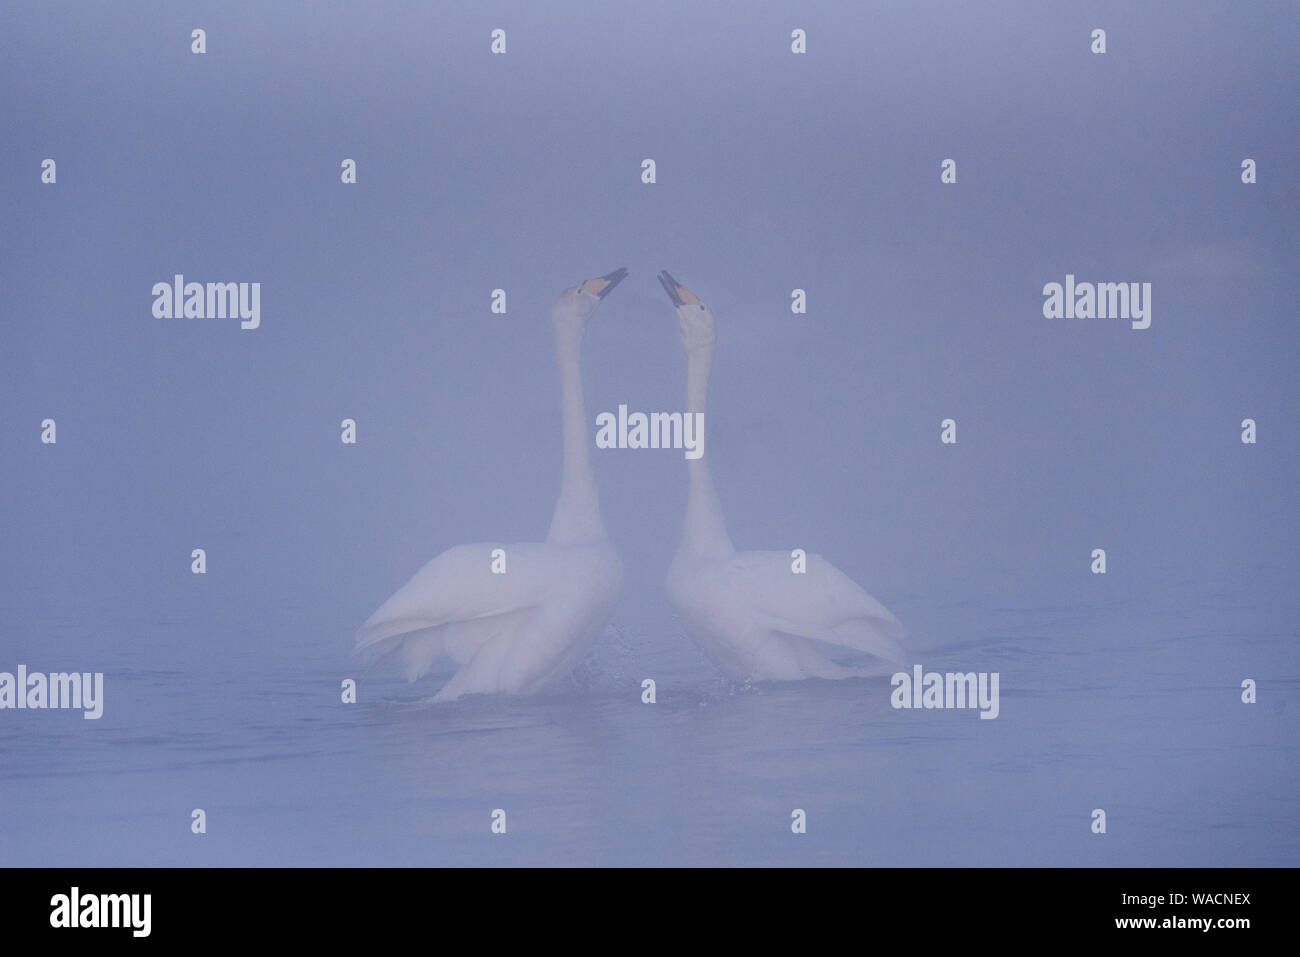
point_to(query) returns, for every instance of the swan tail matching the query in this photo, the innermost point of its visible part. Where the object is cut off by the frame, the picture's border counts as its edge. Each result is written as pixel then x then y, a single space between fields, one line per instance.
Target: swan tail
pixel 481 674
pixel 813 662
pixel 381 638
pixel 875 636
pixel 808 653
pixel 419 650
pixel 416 643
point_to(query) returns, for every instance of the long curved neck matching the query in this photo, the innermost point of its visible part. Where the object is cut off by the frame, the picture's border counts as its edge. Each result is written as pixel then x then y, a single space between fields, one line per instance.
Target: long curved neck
pixel 576 520
pixel 704 534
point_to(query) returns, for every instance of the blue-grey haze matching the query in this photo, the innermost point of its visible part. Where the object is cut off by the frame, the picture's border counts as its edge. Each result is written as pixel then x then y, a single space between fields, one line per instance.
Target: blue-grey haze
pixel 775 171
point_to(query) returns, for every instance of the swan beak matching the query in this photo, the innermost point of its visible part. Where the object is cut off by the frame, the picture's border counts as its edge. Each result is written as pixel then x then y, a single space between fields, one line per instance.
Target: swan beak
pixel 678 293
pixel 602 286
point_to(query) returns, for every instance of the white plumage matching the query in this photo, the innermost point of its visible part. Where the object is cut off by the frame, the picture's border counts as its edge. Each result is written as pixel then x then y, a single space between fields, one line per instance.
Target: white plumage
pixel 517 632
pixel 750 611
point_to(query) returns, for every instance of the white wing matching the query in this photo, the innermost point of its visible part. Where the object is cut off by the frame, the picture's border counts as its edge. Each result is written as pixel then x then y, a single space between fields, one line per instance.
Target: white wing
pixel 821 604
pixel 456 604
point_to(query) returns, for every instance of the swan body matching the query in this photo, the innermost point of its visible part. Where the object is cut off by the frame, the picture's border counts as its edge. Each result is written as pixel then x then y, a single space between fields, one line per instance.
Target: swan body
pixel 760 621
pixel 509 634
pixel 751 612
pixel 515 618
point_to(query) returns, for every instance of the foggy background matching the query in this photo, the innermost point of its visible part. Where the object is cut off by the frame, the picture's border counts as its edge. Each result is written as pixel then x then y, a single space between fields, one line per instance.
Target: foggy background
pixel 775 172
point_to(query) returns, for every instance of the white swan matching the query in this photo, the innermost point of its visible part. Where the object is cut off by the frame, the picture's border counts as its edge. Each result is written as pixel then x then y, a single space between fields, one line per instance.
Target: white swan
pixel 749 611
pixel 515 633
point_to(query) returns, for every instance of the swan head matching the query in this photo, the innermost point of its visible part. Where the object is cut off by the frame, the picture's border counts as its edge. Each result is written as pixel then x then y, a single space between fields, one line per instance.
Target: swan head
pixel 693 317
pixel 576 304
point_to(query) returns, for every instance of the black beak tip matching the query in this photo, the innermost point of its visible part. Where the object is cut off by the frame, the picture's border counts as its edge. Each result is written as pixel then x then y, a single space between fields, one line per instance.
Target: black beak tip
pixel 670 286
pixel 614 278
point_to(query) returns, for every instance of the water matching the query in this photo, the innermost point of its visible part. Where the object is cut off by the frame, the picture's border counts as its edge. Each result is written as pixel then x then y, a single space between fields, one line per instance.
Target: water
pixel 1126 705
